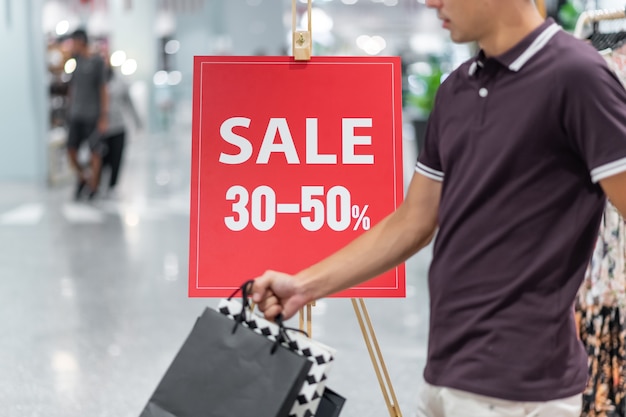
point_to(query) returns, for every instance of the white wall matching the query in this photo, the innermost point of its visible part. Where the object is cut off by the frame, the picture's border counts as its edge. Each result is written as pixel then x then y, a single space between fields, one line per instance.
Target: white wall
pixel 24 99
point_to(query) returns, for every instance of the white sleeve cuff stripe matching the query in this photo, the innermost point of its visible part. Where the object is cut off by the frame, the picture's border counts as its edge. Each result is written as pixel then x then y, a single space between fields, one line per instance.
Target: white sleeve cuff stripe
pixel 428 174
pixel 608 170
pixel 428 169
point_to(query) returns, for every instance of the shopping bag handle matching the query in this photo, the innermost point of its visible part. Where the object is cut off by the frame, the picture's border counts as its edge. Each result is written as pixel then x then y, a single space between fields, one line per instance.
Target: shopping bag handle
pixel 246 290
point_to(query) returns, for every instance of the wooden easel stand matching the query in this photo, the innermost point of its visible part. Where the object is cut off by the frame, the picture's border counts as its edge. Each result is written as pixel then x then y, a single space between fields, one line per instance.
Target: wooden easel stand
pixel 376 356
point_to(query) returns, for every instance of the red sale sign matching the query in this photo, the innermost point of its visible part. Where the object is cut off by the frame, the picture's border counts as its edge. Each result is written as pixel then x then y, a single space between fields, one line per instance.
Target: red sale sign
pixel 291 160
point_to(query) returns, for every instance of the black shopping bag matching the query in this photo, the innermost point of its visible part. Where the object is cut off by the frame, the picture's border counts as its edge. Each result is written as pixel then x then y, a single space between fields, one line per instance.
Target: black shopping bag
pixel 225 369
pixel 320 355
pixel 331 404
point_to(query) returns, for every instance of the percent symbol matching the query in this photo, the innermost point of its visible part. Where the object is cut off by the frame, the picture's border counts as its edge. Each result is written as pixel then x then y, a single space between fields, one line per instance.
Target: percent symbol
pixel 362 220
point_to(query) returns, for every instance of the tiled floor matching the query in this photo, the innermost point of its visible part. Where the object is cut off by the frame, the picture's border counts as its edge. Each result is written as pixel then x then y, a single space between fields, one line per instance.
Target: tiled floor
pixel 93 298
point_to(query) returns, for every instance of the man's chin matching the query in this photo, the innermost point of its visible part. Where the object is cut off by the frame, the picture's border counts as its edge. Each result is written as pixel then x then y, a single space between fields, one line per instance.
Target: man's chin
pixel 459 37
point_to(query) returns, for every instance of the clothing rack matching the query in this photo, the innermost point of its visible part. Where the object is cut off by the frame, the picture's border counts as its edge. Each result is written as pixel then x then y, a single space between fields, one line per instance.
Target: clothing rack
pixel 593 16
pixel 601 300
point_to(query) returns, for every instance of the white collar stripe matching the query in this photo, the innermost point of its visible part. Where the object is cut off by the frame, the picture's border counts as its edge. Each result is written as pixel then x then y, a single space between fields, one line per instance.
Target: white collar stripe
pixel 472 68
pixel 535 47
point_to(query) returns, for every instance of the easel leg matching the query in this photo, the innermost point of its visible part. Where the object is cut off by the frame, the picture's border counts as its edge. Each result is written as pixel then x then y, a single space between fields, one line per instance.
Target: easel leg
pixel 305 314
pixel 376 357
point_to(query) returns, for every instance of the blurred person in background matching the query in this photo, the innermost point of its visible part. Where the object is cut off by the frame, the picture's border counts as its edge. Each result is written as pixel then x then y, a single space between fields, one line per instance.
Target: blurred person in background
pixel 114 139
pixel 88 110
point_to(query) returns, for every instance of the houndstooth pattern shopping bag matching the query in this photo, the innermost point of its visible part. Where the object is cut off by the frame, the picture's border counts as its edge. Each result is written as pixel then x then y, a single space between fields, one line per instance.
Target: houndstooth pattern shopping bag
pixel 319 354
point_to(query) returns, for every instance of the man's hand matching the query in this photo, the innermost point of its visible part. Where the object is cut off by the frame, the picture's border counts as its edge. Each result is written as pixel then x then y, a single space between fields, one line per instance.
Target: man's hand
pixel 278 293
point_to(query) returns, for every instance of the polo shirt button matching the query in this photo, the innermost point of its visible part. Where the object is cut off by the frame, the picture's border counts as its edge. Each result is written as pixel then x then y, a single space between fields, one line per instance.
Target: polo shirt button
pixel 483 92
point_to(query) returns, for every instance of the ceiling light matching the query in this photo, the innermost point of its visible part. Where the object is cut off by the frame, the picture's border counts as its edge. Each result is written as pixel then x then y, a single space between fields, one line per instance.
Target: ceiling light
pixel 172 46
pixel 320 20
pixel 70 66
pixel 160 78
pixel 174 78
pixel 62 27
pixel 118 58
pixel 372 45
pixel 129 67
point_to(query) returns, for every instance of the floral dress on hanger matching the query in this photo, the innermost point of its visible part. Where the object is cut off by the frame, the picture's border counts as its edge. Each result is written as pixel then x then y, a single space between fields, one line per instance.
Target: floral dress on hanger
pixel 601 301
pixel 600 312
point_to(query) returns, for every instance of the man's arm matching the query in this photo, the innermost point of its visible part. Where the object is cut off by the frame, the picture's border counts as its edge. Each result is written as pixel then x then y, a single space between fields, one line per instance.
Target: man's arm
pixel 615 189
pixel 392 241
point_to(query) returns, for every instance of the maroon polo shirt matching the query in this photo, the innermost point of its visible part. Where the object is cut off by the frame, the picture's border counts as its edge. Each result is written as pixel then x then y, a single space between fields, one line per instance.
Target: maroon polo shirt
pixel 520 142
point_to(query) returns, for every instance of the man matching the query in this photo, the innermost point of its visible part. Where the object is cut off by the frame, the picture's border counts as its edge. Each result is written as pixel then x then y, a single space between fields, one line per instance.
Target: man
pixel 526 141
pixel 87 112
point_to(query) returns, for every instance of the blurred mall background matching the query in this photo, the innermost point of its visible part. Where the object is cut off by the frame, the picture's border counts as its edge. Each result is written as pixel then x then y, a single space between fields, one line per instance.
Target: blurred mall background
pixel 93 295
pixel 153 44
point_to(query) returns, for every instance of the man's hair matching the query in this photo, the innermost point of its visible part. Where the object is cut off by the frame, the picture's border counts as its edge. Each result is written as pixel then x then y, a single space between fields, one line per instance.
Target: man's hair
pixel 80 35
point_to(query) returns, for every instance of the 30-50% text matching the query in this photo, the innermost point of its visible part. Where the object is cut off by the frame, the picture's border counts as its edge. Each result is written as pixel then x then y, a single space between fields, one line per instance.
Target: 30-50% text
pixel 317 208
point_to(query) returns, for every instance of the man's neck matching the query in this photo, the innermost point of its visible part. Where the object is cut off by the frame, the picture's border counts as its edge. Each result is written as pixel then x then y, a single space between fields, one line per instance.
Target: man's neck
pixel 511 28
